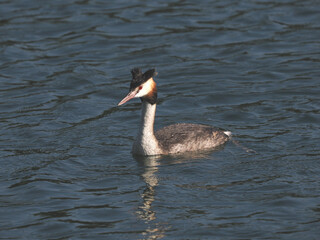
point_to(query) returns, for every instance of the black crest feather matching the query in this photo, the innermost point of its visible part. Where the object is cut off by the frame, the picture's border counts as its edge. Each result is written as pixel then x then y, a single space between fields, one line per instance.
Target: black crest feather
pixel 138 77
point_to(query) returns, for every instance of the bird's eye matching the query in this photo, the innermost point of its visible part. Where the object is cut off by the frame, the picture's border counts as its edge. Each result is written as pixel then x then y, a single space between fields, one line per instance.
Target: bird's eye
pixel 140 87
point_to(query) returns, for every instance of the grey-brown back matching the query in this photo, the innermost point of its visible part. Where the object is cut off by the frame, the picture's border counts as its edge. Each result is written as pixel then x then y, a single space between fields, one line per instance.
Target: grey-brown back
pixel 183 137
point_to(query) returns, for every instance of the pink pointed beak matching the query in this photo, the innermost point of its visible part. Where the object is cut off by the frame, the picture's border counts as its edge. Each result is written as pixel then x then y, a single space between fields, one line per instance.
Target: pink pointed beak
pixel 130 95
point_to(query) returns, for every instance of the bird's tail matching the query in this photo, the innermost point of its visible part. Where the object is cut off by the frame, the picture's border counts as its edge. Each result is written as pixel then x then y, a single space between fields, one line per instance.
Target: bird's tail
pixel 228 133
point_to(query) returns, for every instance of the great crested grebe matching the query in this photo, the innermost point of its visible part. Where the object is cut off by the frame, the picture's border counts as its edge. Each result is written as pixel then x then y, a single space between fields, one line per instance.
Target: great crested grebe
pixel 176 138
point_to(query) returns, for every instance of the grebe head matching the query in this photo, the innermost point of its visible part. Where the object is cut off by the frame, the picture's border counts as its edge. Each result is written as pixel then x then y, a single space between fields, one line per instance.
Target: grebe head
pixel 142 86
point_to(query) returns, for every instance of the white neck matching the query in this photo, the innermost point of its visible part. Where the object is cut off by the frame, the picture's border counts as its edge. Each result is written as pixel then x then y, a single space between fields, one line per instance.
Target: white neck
pixel 146 143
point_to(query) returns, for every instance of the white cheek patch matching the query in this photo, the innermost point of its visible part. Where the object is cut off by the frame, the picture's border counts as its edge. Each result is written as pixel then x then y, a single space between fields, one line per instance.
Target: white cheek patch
pixel 146 88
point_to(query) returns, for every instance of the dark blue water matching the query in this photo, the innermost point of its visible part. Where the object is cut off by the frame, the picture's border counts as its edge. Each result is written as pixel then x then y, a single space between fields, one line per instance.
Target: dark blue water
pixel 251 67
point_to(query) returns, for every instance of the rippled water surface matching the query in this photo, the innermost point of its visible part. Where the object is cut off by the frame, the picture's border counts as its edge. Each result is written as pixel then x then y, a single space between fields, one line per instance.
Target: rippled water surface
pixel 251 67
